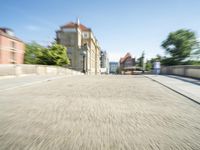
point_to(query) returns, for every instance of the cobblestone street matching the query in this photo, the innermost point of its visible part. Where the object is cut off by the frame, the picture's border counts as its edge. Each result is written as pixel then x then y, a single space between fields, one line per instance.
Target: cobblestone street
pixel 97 112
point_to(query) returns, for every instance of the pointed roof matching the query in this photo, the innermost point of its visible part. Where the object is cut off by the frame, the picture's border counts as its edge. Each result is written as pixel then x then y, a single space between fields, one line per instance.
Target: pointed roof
pixel 123 59
pixel 75 25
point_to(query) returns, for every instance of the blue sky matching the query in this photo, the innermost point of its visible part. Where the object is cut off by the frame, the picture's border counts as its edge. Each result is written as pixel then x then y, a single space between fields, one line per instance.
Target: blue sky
pixel 120 25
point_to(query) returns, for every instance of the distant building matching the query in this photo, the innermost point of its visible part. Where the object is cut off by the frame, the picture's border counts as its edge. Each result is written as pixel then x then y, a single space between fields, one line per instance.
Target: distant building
pixel 113 67
pixel 104 62
pixel 82 47
pixel 11 48
pixel 127 64
pixel 127 61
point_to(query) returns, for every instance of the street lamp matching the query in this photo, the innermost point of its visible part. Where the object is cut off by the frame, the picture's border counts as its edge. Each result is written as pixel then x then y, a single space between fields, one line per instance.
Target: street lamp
pixel 84 55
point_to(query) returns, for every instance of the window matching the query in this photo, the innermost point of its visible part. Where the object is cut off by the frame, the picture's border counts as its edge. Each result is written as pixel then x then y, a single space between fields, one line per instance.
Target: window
pixel 69 50
pixel 72 42
pixel 12 57
pixel 58 36
pixel 13 45
pixel 85 35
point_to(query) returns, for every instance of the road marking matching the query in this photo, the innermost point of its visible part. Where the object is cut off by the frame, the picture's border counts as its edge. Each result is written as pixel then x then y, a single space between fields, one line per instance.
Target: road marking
pixel 32 83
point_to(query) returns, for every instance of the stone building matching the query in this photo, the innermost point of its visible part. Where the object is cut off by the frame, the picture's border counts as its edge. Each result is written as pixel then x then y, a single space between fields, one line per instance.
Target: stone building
pixel 82 47
pixel 11 48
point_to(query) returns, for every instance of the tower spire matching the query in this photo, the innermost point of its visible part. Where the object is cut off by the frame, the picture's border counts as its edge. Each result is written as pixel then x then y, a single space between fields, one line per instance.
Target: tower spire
pixel 78 21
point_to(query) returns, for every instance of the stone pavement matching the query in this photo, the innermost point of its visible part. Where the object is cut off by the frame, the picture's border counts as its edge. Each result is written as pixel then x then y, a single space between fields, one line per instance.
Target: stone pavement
pixel 98 113
pixel 186 86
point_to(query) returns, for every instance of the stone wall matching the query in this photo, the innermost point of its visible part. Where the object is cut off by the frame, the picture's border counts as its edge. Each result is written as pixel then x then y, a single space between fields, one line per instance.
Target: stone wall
pixel 23 69
pixel 187 70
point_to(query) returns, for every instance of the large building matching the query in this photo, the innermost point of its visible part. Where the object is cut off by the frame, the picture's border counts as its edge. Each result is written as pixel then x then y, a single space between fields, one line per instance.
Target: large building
pixel 11 48
pixel 82 47
pixel 104 62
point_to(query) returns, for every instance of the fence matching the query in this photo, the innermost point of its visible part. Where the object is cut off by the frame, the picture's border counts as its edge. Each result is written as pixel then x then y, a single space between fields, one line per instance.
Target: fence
pixel 23 69
pixel 187 70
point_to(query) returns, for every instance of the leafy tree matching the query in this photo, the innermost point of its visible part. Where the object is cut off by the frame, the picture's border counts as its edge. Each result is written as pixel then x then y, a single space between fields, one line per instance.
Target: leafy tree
pixel 55 55
pixel 191 62
pixel 195 54
pixel 140 60
pixel 148 65
pixel 118 71
pixel 179 45
pixel 157 58
pixel 33 52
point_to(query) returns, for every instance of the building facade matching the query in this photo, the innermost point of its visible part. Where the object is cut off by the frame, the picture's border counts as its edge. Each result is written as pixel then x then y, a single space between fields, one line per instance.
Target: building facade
pixel 113 66
pixel 127 61
pixel 11 48
pixel 127 64
pixel 104 62
pixel 82 47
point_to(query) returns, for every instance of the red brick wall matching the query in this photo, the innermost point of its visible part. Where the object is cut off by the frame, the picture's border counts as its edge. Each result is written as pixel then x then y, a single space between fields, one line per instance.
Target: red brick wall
pixel 6 51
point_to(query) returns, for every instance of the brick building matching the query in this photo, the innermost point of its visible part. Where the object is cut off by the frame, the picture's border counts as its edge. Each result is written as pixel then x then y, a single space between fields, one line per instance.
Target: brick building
pixel 11 48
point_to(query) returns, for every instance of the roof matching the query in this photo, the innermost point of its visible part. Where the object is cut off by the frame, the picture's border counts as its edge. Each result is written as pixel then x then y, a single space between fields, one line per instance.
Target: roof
pixel 75 25
pixel 123 59
pixel 4 33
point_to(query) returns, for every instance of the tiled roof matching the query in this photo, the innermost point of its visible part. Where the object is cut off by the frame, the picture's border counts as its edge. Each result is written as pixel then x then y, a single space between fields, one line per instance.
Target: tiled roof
pixel 84 28
pixel 75 25
pixel 123 59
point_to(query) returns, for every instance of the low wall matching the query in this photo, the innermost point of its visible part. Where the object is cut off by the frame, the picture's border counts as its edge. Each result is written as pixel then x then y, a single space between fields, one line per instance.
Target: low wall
pixel 187 70
pixel 23 69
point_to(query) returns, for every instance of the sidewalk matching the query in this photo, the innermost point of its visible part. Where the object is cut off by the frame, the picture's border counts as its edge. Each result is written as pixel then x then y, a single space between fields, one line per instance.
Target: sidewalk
pixel 185 86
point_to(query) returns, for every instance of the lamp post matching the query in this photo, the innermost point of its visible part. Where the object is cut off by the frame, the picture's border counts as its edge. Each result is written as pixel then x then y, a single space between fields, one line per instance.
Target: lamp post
pixel 84 55
pixel 85 49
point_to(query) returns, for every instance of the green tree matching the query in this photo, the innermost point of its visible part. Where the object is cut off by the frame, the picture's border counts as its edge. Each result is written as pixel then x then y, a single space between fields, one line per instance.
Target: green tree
pixel 148 65
pixel 54 55
pixel 118 71
pixel 196 55
pixel 179 45
pixel 33 52
pixel 140 60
